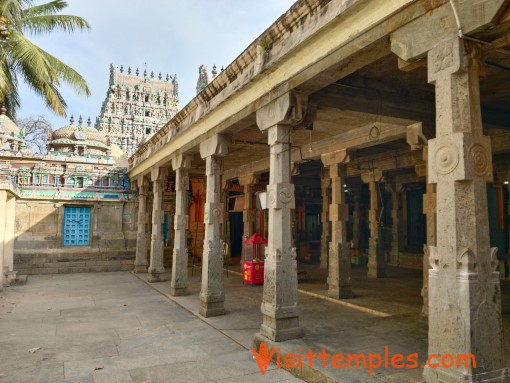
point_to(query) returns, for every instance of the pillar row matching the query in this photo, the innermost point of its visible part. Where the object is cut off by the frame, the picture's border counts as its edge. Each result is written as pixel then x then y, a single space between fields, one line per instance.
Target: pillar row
pixel 212 293
pixel 179 284
pixel 141 241
pixel 156 268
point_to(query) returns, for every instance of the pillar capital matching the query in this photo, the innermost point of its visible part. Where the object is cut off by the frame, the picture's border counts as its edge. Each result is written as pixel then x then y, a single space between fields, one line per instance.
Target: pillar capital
pixel 247 179
pixel 159 174
pixel 291 109
pixel 336 157
pixel 217 145
pixel 182 161
pixel 412 41
pixel 374 175
pixel 143 185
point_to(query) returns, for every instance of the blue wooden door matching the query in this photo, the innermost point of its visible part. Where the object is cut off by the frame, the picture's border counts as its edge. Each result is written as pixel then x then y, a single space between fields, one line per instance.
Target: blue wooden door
pixel 76 226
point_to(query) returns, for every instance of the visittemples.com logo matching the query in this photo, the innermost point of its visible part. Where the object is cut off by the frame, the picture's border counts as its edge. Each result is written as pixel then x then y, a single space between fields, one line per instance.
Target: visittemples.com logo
pixel 369 361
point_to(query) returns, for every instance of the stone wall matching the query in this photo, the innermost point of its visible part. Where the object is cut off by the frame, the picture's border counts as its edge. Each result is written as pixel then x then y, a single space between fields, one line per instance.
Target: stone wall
pixel 38 247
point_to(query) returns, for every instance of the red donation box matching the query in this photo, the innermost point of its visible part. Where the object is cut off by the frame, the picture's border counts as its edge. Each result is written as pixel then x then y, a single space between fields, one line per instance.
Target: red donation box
pixel 252 263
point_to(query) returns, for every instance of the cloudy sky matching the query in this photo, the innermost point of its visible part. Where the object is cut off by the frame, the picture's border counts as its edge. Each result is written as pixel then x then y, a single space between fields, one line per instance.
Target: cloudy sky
pixel 171 36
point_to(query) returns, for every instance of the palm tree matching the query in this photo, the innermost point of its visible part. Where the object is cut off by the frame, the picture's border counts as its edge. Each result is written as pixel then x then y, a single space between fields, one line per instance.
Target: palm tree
pixel 21 59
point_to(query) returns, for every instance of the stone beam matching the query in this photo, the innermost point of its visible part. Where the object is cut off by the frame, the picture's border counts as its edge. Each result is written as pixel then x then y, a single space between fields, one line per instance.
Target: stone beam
pixel 359 138
pixel 379 102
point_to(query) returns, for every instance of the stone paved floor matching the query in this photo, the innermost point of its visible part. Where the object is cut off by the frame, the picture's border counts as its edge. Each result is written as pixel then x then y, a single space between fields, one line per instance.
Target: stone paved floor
pixel 113 327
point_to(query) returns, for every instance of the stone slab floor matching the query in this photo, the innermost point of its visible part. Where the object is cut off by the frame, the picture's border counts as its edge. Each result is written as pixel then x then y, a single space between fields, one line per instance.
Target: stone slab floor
pixel 113 327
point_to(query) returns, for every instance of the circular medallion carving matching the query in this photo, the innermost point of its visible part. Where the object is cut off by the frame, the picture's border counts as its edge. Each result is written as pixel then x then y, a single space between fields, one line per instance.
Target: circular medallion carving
pixel 285 196
pixel 480 160
pixel 447 159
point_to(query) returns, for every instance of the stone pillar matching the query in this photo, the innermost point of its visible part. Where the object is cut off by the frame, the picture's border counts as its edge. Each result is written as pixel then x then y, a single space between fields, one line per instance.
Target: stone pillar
pixel 179 285
pixel 212 293
pixel 395 223
pixel 280 309
pixel 339 278
pixel 464 291
pixel 376 264
pixel 141 241
pixel 356 193
pixel 10 214
pixel 156 268
pixel 325 184
pixel 429 209
pixel 247 181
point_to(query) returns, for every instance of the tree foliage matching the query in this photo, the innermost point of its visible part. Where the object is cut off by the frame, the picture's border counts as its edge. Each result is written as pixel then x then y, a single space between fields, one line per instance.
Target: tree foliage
pixel 20 59
pixel 37 130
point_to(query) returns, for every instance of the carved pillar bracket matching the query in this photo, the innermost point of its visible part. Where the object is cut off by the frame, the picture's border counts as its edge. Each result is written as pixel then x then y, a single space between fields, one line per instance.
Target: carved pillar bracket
pixel 280 308
pixel 464 292
pixel 376 263
pixel 179 284
pixel 156 268
pixel 339 276
pixel 141 263
pixel 212 293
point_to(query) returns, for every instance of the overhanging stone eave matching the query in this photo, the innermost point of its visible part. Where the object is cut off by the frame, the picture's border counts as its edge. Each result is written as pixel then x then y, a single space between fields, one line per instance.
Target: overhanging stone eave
pixel 262 89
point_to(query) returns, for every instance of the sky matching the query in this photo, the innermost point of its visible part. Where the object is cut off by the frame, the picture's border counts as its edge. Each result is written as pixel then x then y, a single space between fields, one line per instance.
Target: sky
pixel 170 36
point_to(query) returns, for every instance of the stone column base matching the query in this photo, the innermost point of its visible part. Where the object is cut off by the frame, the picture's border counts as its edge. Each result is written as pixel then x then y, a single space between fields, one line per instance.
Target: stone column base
pixel 140 269
pixel 178 291
pixel 376 272
pixel 344 292
pixel 281 329
pixel 157 276
pixel 211 309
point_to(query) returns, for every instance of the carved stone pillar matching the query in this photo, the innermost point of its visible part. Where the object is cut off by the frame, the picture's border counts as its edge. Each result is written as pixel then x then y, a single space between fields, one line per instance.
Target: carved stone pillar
pixel 464 291
pixel 247 181
pixel 429 209
pixel 339 277
pixel 376 264
pixel 179 284
pixel 280 309
pixel 356 193
pixel 156 268
pixel 325 185
pixel 212 293
pixel 395 223
pixel 141 241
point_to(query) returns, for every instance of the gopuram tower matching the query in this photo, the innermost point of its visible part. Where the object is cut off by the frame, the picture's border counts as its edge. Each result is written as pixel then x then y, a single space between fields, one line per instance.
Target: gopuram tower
pixel 136 107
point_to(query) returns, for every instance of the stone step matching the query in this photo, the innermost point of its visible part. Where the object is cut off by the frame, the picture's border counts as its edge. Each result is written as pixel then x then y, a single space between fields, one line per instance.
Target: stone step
pixel 45 264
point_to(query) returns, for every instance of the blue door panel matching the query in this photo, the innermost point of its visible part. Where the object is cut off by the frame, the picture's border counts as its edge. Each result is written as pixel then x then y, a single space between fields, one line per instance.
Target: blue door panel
pixel 76 226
